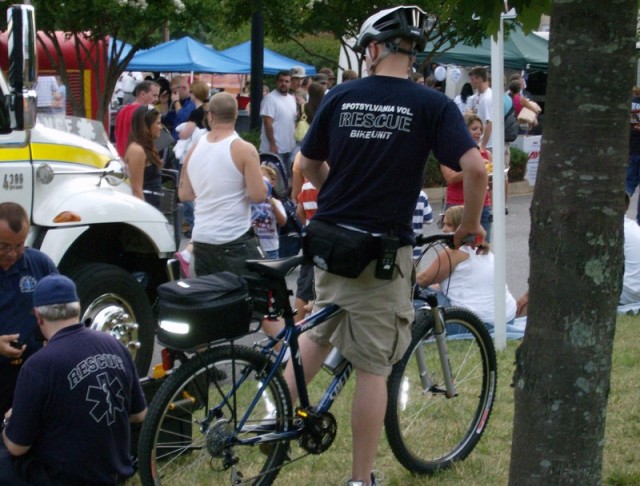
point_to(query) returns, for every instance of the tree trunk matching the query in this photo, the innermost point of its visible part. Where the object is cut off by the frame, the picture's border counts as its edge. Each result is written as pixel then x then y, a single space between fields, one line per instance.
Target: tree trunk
pixel 563 365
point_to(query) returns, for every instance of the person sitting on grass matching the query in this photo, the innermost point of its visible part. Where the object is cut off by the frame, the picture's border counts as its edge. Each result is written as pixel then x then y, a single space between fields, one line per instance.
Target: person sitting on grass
pixel 465 278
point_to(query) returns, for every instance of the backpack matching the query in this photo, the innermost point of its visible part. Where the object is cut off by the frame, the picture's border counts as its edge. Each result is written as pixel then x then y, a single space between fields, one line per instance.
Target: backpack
pixel 510 126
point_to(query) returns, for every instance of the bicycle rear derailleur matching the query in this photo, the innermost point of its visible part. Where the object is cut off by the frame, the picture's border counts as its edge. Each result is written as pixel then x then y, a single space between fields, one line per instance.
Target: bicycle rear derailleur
pixel 318 430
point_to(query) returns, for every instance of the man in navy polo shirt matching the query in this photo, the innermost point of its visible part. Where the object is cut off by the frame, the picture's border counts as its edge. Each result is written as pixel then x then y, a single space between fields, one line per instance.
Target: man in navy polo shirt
pixel 20 270
pixel 74 399
pixel 365 152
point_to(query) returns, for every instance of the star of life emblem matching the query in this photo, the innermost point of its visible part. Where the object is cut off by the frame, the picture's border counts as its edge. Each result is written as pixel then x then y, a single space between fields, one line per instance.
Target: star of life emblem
pixel 108 398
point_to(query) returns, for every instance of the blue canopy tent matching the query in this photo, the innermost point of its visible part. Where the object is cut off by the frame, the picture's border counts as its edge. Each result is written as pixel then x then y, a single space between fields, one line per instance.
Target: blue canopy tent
pixel 119 45
pixel 273 62
pixel 186 55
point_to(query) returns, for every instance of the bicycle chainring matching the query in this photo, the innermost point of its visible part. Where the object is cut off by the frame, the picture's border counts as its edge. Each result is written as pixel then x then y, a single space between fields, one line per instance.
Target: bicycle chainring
pixel 319 431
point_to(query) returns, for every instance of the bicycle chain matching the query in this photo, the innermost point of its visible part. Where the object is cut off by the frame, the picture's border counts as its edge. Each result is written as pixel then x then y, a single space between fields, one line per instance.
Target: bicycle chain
pixel 319 425
pixel 286 462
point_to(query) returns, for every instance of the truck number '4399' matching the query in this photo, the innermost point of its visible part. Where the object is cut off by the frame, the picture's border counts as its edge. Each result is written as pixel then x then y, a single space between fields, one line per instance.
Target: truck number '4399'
pixel 12 181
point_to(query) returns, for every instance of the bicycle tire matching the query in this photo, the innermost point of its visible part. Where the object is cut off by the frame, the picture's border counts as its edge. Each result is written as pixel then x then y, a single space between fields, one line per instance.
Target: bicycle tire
pixel 427 431
pixel 190 428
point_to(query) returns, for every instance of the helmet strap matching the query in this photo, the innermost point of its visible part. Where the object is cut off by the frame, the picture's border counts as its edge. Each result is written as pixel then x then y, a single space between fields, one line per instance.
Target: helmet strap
pixel 393 47
pixel 379 57
pixel 389 50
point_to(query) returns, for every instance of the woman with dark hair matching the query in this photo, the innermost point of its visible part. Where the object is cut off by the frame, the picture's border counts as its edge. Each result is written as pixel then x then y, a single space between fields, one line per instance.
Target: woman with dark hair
pixel 164 97
pixel 465 100
pixel 316 93
pixel 142 157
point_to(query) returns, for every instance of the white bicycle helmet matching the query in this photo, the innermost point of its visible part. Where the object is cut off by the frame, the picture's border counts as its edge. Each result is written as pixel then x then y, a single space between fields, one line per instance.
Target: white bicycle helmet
pixel 406 22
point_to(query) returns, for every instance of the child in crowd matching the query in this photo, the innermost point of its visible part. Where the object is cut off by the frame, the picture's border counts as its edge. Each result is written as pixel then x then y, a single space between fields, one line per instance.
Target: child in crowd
pixel 307 206
pixel 268 216
pixel 184 257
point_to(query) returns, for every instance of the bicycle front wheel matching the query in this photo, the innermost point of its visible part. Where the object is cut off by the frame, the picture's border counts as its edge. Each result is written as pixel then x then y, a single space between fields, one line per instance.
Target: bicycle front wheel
pixel 193 434
pixel 426 430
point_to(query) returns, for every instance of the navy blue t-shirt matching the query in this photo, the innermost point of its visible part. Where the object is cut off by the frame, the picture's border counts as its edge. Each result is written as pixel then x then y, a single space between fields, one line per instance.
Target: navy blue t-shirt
pixel 634 138
pixel 376 134
pixel 16 298
pixel 72 405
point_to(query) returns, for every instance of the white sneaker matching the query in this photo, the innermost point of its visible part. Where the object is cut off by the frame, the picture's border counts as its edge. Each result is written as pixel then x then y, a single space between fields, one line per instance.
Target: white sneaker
pixel 376 480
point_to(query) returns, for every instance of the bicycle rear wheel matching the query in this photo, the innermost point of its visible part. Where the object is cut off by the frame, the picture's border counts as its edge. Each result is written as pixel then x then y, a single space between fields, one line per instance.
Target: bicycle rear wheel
pixel 191 432
pixel 426 430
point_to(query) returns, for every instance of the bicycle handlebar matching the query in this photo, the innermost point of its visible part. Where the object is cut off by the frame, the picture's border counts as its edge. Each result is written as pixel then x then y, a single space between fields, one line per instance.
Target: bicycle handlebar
pixel 445 238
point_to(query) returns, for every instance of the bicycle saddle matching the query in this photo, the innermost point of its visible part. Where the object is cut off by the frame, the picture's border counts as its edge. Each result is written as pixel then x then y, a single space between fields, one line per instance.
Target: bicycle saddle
pixel 278 268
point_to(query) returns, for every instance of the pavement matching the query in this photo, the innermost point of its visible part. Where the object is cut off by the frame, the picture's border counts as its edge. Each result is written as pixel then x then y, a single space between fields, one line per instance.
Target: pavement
pixel 515 189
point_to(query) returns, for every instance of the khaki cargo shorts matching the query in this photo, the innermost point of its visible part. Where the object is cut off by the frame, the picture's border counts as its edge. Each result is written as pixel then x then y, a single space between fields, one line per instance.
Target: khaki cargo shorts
pixel 375 330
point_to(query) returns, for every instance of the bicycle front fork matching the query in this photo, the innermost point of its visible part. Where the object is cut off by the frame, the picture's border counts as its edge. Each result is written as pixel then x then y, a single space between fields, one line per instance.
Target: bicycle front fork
pixel 440 335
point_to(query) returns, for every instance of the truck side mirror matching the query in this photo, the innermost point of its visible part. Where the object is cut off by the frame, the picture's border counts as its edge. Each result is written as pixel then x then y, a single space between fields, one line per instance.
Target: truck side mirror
pixel 23 64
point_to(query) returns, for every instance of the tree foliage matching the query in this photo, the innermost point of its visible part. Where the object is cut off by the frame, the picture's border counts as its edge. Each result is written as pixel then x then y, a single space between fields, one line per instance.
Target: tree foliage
pixel 454 21
pixel 143 23
pixel 136 22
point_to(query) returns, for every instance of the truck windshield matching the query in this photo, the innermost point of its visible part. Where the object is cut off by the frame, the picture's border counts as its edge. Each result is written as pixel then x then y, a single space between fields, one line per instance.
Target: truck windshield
pixel 5 118
pixel 90 129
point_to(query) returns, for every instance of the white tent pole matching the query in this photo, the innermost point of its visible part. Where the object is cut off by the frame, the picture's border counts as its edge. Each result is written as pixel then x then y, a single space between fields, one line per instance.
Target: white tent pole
pixel 498 241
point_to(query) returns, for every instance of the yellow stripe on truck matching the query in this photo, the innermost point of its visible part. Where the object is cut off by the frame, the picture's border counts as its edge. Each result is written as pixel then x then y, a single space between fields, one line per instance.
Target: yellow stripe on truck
pixel 66 153
pixel 15 154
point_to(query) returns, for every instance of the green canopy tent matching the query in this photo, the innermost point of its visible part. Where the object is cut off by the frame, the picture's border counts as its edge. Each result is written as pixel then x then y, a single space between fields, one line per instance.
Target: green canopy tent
pixel 522 52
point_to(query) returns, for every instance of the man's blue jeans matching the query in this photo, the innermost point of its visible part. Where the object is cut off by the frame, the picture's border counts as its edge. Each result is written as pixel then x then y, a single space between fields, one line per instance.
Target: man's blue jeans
pixel 633 179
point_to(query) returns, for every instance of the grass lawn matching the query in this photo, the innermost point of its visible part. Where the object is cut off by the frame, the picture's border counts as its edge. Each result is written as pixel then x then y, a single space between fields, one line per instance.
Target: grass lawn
pixel 488 464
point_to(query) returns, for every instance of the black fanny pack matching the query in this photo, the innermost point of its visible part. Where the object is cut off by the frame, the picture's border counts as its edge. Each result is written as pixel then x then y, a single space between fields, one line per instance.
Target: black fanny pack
pixel 339 250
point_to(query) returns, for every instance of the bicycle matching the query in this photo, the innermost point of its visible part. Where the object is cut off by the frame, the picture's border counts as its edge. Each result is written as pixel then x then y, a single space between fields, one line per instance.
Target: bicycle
pixel 227 410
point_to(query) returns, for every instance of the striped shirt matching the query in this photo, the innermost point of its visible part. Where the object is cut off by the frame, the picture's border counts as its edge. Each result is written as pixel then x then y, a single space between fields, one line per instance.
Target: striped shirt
pixel 421 216
pixel 308 197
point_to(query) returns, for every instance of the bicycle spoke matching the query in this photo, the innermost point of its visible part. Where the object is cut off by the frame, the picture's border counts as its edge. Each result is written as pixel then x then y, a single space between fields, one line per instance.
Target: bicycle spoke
pixel 453 423
pixel 192 432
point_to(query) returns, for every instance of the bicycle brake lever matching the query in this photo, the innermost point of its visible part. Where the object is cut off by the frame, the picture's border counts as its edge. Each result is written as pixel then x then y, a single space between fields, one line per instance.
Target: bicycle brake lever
pixel 472 240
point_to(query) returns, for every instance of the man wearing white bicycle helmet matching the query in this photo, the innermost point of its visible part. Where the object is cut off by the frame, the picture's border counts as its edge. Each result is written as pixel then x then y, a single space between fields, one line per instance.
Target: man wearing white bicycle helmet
pixel 375 135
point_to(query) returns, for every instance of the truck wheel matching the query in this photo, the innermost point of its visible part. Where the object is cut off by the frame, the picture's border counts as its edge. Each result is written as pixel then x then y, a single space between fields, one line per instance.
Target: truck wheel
pixel 113 301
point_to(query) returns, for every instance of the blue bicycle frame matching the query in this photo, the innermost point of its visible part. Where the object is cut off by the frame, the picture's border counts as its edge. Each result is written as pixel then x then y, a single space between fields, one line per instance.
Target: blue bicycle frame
pixel 289 337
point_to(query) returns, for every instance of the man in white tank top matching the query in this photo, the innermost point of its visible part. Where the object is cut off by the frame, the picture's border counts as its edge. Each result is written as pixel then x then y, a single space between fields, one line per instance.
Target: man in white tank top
pixel 222 175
